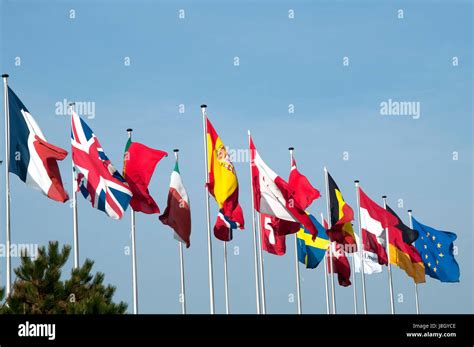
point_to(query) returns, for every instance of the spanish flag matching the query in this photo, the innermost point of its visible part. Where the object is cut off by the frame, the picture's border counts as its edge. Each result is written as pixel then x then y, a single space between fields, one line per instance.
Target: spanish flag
pixel 402 252
pixel 222 184
pixel 341 217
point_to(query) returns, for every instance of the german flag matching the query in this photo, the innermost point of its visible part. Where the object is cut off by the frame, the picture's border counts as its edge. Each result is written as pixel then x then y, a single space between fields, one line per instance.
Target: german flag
pixel 402 252
pixel 341 215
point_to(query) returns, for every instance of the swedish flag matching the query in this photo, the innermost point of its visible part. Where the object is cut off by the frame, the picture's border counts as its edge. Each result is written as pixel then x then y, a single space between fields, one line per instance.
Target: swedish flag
pixel 436 250
pixel 312 252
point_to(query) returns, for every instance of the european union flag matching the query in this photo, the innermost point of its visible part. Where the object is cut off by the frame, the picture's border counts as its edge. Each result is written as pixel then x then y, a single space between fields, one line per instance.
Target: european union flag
pixel 312 252
pixel 436 250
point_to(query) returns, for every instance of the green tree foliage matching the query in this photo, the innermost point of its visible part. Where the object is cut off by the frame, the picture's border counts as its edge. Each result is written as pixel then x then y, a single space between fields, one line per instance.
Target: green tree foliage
pixel 38 288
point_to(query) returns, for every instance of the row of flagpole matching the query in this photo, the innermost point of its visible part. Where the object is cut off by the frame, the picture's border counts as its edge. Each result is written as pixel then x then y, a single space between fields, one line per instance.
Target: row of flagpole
pixel 257 240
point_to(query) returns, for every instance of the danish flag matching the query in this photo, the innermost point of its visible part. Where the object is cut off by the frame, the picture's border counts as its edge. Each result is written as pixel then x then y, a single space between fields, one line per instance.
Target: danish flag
pixel 95 176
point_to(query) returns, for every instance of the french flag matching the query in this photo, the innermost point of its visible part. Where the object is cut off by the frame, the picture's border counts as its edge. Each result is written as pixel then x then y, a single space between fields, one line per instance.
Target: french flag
pixel 32 158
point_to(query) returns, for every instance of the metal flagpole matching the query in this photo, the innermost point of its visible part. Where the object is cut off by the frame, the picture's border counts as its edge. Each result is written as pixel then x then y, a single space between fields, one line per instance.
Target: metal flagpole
pixel 181 265
pixel 134 251
pixel 297 268
pixel 181 261
pixel 74 208
pixel 354 284
pixel 255 251
pixel 262 277
pixel 417 304
pixel 7 184
pixel 331 270
pixel 325 273
pixel 226 280
pixel 389 267
pixel 361 248
pixel 209 242
pixel 259 245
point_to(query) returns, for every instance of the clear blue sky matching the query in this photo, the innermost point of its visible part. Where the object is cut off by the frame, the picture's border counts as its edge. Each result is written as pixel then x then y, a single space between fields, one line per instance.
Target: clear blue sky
pixel 282 62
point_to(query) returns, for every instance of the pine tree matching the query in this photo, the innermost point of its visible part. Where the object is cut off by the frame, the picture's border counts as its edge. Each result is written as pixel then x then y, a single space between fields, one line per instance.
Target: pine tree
pixel 38 288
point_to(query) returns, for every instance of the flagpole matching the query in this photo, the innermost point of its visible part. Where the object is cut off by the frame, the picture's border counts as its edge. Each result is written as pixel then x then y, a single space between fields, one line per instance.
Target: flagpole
pixel 75 219
pixel 181 261
pixel 134 250
pixel 181 265
pixel 297 268
pixel 209 241
pixel 354 284
pixel 331 270
pixel 325 273
pixel 262 276
pixel 255 251
pixel 361 248
pixel 226 280
pixel 417 304
pixel 389 267
pixel 7 185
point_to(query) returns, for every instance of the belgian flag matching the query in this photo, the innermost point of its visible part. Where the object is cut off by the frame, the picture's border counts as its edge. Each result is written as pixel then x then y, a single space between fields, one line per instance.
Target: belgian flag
pixel 341 215
pixel 402 252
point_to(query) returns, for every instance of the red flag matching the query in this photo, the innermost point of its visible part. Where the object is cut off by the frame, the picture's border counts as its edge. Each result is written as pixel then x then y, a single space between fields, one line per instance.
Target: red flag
pixel 177 212
pixel 373 220
pixel 302 190
pixel 284 227
pixel 271 241
pixel 273 196
pixel 139 163
pixel 340 264
pixel 49 155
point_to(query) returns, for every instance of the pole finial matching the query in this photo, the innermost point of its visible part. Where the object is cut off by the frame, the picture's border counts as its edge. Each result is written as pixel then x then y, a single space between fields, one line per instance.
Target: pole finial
pixel 203 106
pixel 129 130
pixel 291 148
pixel 176 150
pixel 356 181
pixel 384 196
pixel 410 211
pixel 71 103
pixel 5 75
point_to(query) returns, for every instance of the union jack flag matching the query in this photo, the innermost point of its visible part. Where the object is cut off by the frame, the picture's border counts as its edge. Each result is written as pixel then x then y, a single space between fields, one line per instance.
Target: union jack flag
pixel 95 176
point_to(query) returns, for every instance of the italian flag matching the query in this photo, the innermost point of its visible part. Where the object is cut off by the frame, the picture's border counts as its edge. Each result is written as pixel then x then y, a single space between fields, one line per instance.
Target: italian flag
pixel 177 213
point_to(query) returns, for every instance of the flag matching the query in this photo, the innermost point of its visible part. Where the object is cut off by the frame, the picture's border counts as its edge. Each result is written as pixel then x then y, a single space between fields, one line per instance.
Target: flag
pixel 341 216
pixel 271 241
pixel 272 195
pixel 373 221
pixel 32 158
pixel 340 264
pixel 402 253
pixel 225 226
pixel 223 185
pixel 94 174
pixel 436 248
pixel 177 213
pixel 302 190
pixel 371 262
pixel 311 252
pixel 138 166
pixel 283 227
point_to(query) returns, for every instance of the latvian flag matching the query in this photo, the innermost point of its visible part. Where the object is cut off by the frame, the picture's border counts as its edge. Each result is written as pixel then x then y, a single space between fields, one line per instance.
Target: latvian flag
pixel 177 213
pixel 95 176
pixel 32 158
